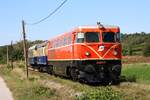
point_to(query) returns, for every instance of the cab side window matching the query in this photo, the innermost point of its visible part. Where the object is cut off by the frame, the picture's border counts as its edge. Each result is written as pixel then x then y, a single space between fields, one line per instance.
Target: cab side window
pixel 79 37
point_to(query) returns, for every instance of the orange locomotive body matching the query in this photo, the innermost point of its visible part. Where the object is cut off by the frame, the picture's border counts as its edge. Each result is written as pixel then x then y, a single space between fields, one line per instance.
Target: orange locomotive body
pixel 87 53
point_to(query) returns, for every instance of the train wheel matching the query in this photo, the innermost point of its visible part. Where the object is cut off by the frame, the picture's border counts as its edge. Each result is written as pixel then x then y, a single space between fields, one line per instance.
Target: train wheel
pixel 116 71
pixel 113 79
pixel 40 69
pixel 50 70
pixel 73 73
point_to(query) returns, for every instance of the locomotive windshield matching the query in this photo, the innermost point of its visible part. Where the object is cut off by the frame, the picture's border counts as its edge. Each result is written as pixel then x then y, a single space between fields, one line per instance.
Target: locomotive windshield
pixel 111 37
pixel 88 37
pixel 92 37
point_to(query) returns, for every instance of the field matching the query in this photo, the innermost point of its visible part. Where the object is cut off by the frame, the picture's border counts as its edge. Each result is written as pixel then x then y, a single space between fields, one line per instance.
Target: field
pixel 139 72
pixel 135 59
pixel 42 86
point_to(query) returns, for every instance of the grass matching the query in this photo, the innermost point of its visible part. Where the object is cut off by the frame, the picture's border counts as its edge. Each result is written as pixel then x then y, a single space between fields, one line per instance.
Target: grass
pixel 26 89
pixel 137 72
pixel 83 91
pixel 36 87
pixel 41 86
pixel 100 93
pixel 135 59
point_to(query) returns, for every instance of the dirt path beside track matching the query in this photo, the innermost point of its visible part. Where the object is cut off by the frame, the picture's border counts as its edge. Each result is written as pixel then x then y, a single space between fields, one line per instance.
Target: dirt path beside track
pixel 5 93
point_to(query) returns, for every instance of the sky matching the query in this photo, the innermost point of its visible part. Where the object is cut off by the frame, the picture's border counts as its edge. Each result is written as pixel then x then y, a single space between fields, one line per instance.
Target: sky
pixel 130 15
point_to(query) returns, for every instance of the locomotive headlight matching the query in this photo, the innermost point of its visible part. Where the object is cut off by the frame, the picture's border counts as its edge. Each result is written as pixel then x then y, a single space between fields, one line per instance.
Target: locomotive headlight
pixel 115 52
pixel 87 53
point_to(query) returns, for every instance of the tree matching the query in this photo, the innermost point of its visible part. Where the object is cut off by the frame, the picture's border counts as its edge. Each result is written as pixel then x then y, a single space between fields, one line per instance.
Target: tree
pixel 146 49
pixel 130 51
pixel 17 52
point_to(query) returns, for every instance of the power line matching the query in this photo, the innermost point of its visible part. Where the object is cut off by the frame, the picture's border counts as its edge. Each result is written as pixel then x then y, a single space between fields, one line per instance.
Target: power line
pixel 53 12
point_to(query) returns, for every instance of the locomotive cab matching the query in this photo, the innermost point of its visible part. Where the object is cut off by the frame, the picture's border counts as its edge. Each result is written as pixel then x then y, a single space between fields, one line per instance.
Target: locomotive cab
pixel 99 51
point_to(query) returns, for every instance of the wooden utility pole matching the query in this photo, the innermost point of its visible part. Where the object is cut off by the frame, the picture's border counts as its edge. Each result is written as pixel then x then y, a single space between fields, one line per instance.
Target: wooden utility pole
pixel 12 55
pixel 7 56
pixel 25 46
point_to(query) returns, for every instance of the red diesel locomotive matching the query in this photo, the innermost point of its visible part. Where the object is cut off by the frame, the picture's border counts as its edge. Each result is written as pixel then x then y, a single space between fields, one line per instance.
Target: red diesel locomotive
pixel 87 53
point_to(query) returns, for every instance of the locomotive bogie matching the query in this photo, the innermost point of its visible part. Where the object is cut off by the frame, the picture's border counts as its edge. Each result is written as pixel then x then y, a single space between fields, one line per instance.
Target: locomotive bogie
pixel 95 71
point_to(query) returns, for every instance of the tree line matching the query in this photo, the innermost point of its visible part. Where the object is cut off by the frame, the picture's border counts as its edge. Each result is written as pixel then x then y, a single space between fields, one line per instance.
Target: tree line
pixel 15 51
pixel 136 44
pixel 132 44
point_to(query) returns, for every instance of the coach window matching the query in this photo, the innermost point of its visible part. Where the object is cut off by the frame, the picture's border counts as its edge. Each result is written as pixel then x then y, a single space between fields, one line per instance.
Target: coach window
pixel 61 42
pixel 69 40
pixel 58 43
pixel 54 44
pixel 92 37
pixel 80 38
pixel 65 41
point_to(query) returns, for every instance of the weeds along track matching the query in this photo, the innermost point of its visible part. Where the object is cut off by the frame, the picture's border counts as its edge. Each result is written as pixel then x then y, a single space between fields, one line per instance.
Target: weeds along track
pixel 64 90
pixel 68 89
pixel 129 90
pixel 134 90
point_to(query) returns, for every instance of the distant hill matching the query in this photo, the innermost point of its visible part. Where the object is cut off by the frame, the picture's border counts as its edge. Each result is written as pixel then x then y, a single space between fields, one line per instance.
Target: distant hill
pixel 135 43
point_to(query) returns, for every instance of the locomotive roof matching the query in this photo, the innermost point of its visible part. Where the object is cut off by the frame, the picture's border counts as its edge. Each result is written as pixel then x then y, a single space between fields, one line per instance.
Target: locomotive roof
pixel 97 26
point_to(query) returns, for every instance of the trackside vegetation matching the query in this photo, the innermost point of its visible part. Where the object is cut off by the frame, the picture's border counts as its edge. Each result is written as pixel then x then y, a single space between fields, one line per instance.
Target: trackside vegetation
pixel 42 86
pixel 100 93
pixel 25 89
pixel 34 88
pixel 136 44
pixel 139 72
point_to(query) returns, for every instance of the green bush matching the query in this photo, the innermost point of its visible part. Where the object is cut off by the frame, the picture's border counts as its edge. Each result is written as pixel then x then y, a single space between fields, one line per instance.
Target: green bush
pixel 124 52
pixel 21 65
pixel 146 49
pixel 5 70
pixel 44 91
pixel 101 93
pixel 130 51
pixel 2 61
pixel 128 78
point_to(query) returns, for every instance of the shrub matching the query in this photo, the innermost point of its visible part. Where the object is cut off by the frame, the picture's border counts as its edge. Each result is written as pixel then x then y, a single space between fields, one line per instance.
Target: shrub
pixel 129 78
pixel 5 70
pixel 21 65
pixel 101 93
pixel 146 50
pixel 44 91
